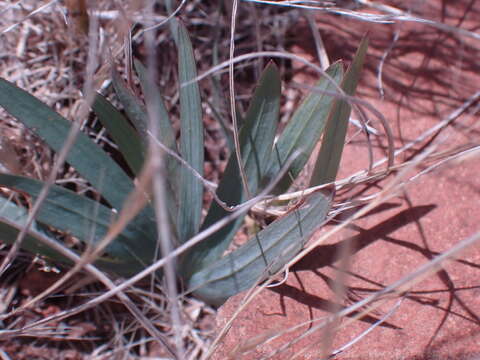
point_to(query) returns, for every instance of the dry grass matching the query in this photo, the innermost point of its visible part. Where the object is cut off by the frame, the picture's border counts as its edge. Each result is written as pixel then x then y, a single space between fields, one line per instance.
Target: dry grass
pixel 55 53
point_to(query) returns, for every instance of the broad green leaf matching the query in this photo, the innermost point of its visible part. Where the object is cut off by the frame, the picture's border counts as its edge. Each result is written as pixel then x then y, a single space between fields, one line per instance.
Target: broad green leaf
pixel 86 157
pixel 166 136
pixel 256 141
pixel 132 105
pixel 121 132
pixel 219 101
pixel 264 254
pixel 12 219
pixel 85 219
pixel 152 93
pixel 303 131
pixel 328 161
pixel 191 139
pixel 132 148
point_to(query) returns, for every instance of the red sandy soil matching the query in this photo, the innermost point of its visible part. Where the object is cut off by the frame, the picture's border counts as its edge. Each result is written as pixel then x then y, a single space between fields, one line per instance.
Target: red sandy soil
pixel 427 75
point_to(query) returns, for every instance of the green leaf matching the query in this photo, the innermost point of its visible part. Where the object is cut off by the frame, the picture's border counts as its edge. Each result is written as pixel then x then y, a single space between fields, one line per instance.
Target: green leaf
pixel 133 107
pixel 86 157
pixel 121 132
pixel 256 141
pixel 328 161
pixel 166 136
pixel 264 254
pixel 12 219
pixel 88 221
pixel 303 131
pixel 191 140
pixel 152 93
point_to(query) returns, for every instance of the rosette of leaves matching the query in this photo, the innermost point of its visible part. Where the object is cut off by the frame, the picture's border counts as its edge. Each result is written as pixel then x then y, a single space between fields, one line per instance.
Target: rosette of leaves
pixel 204 269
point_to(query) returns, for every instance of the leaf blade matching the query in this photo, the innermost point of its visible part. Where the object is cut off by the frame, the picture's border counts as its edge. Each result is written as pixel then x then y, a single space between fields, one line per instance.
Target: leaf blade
pixel 268 251
pixel 191 139
pixel 85 156
pixel 131 104
pixel 87 220
pixel 256 141
pixel 12 219
pixel 304 130
pixel 121 131
pixel 166 136
pixel 328 161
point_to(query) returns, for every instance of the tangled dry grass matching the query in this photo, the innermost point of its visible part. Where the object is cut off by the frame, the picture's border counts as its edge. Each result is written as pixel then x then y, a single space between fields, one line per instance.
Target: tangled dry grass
pixel 61 53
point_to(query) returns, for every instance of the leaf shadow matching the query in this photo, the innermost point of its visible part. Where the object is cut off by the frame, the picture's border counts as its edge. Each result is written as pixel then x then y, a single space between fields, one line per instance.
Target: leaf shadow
pixel 327 255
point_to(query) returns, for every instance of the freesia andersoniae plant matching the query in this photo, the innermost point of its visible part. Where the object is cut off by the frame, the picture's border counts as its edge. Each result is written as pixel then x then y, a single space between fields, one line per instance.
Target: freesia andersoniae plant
pixel 205 269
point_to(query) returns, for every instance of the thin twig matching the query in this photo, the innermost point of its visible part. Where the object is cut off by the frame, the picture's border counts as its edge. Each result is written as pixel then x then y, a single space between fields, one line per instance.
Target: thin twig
pixel 30 14
pixel 396 36
pixel 317 38
pixel 160 197
pixel 236 138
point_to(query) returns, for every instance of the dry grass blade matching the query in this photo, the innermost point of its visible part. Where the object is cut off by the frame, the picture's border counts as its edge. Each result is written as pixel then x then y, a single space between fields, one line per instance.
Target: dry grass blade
pixel 160 199
pixel 30 14
pixel 233 106
pixel 370 329
pixel 57 66
pixel 391 15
